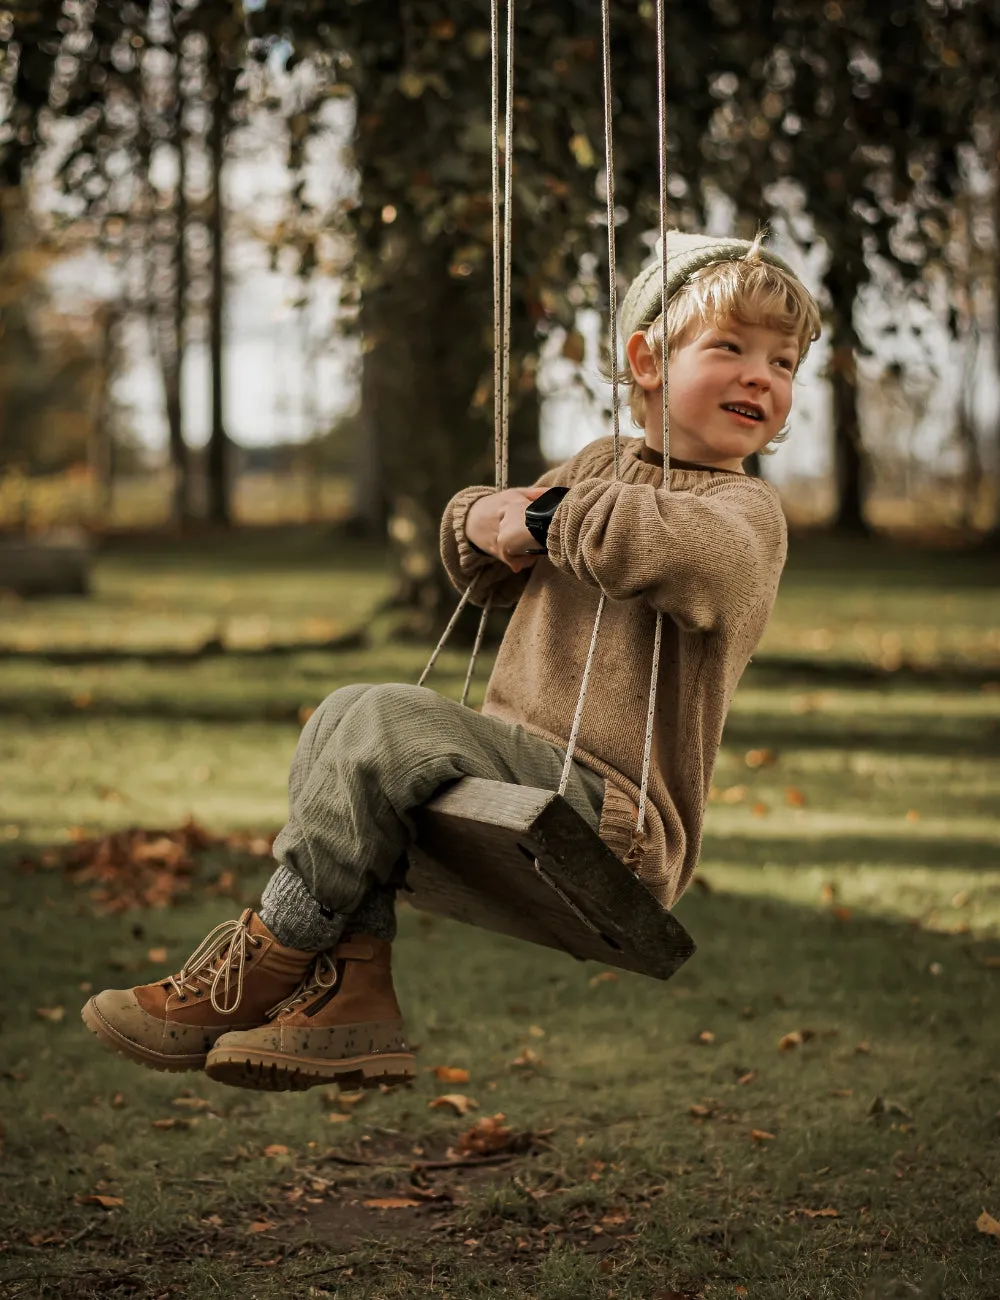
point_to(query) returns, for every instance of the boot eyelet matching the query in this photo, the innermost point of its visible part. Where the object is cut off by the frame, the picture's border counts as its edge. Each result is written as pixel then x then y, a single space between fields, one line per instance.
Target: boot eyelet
pixel 255 942
pixel 182 997
pixel 198 992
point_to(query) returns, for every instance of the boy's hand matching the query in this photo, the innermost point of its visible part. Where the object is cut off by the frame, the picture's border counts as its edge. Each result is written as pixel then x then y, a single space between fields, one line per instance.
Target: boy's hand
pixel 496 525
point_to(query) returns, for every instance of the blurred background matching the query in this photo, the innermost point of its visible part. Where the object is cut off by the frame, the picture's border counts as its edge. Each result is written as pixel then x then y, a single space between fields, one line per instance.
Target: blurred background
pixel 246 269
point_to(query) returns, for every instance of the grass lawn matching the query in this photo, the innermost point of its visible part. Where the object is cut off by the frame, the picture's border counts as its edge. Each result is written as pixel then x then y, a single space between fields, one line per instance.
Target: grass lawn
pixel 848 909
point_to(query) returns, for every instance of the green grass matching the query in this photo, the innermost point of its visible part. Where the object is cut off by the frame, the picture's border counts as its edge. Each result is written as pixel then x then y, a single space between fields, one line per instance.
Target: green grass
pixel 850 892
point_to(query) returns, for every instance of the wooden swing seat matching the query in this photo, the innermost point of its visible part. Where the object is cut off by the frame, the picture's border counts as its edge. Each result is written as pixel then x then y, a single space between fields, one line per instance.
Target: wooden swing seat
pixel 522 862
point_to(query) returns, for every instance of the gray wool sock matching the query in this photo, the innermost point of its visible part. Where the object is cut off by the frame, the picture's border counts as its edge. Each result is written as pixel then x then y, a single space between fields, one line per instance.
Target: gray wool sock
pixel 295 918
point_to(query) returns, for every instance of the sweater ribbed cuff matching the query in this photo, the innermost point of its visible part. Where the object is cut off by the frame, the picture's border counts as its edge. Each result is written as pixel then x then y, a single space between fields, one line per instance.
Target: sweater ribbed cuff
pixel 294 917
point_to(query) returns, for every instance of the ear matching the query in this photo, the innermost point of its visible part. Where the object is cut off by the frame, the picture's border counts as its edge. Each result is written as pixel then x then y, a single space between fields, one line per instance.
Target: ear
pixel 644 363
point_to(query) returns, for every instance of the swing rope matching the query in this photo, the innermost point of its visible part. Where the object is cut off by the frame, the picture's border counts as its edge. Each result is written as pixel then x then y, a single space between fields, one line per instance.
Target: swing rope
pixel 501 340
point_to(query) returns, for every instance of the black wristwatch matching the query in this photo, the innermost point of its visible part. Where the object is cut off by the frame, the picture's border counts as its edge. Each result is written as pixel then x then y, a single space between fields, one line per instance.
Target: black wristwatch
pixel 538 515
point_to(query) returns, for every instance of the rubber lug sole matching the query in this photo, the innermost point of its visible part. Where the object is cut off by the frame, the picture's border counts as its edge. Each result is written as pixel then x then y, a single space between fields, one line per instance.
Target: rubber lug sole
pixel 273 1072
pixel 110 1038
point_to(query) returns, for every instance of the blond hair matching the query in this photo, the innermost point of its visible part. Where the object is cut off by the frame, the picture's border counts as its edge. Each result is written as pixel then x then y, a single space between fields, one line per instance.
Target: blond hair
pixel 748 290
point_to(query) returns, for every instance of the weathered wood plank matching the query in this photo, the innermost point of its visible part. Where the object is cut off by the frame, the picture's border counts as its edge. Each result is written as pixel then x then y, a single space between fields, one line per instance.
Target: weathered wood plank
pixel 520 861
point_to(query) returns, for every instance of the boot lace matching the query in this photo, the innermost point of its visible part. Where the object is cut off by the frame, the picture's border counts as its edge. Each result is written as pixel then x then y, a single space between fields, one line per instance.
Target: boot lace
pixel 321 977
pixel 218 963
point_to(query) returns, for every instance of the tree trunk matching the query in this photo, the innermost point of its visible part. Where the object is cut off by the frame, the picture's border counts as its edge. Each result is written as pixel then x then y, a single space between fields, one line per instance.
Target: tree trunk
pixel 426 352
pixel 218 453
pixel 850 459
pixel 181 505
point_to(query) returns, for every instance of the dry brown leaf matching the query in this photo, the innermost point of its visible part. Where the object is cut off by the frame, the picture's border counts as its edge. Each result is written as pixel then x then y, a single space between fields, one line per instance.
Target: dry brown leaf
pixel 828 894
pixel 536 1031
pixel 913 815
pixel 699 1112
pixel 305 713
pixel 526 1060
pixel 863 1049
pixel 338 1117
pixel 748 1076
pixel 828 1213
pixel 761 1135
pixel 759 810
pixel 734 794
pixel 53 1014
pixel 842 1092
pixel 449 1074
pixel 457 1101
pixel 261 1225
pixel 157 954
pixel 986 1223
pixel 348 1100
pixel 490 1136
pixel 191 1103
pixel 794 798
pixel 788 1042
pixel 605 977
pixel 214 1219
pixel 705 1037
pixel 840 913
pixel 172 1123
pixel 392 1203
pixel 118 1100
pixel 760 758
pixel 274 1150
pixel 105 1202
pixel 991 963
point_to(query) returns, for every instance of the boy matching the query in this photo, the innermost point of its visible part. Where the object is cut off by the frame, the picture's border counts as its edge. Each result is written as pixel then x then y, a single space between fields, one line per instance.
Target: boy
pixel 301 993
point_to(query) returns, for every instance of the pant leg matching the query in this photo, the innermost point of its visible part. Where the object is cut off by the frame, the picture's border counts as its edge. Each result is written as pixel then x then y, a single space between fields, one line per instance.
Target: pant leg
pixel 367 758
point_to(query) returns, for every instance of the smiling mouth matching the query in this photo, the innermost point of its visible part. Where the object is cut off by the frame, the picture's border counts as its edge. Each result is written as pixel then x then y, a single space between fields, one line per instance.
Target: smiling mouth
pixel 748 410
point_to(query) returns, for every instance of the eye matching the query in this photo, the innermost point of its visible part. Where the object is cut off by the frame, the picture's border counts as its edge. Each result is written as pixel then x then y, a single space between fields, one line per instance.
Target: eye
pixel 785 363
pixel 725 343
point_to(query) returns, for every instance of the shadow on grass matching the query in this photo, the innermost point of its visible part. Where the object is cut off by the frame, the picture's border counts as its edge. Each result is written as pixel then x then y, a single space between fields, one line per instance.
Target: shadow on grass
pixel 831 850
pixel 884 1010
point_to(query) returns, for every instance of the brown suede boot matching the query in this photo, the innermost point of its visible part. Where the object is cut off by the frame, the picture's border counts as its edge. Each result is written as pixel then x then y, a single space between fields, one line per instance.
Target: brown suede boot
pixel 236 975
pixel 344 1026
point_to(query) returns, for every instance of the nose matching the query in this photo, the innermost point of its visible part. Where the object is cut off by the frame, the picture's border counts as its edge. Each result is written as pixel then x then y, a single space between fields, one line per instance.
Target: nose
pixel 756 374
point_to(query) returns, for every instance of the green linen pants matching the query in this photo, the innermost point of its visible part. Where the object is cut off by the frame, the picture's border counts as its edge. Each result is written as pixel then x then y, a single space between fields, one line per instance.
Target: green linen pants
pixel 366 758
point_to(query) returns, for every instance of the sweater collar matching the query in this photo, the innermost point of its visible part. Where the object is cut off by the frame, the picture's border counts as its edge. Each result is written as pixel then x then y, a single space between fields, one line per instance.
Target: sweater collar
pixel 653 457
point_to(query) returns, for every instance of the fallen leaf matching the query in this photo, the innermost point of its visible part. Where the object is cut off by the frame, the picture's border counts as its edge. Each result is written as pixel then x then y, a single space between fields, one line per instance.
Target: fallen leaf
pixel 348 1100
pixel 986 1223
pixel 734 794
pixel 172 1123
pixel 536 1031
pixel 828 1213
pixel 105 1202
pixel 705 1037
pixel 449 1074
pixel 913 815
pixel 699 1112
pixel 118 1100
pixel 526 1060
pixel 157 954
pixel 842 1092
pixel 760 758
pixel 761 1135
pixel 191 1103
pixel 863 1049
pixel 840 913
pixel 747 1077
pixel 788 1042
pixel 214 1219
pixel 458 1102
pixel 338 1117
pixel 794 798
pixel 305 713
pixel 261 1225
pixel 605 977
pixel 53 1014
pixel 392 1203
pixel 828 894
pixel 759 810
pixel 275 1150
pixel 991 963
pixel 490 1136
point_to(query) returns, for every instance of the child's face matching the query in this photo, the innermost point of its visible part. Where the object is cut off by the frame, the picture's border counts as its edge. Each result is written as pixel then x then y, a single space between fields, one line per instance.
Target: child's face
pixel 730 392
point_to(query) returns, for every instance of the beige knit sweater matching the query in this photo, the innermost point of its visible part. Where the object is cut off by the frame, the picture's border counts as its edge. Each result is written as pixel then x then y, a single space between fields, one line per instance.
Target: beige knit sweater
pixel 708 553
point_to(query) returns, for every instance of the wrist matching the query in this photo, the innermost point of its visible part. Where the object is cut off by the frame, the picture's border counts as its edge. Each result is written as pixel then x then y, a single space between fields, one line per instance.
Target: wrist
pixel 538 514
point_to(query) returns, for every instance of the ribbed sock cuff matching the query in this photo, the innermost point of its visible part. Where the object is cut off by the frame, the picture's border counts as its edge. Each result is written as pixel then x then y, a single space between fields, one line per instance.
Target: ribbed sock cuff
pixel 294 917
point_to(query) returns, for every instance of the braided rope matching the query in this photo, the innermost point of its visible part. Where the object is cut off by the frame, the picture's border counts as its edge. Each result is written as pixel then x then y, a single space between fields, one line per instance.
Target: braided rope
pixel 661 95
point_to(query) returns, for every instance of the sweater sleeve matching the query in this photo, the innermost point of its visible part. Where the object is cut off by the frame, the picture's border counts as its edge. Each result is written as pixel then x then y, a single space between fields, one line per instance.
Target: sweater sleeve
pixel 704 558
pixel 463 563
